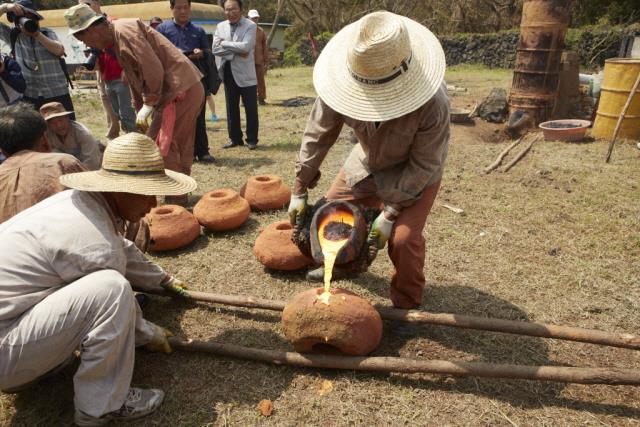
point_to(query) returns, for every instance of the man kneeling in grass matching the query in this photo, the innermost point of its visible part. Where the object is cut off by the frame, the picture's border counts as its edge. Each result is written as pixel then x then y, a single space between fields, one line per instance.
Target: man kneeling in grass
pixel 67 278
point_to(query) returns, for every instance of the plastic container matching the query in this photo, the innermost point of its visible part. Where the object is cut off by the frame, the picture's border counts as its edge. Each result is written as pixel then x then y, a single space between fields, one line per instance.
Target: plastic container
pixel 571 130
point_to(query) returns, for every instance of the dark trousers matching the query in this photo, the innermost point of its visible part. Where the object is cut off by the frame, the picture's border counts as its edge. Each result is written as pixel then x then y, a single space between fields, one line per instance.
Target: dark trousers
pixel 249 95
pixel 201 145
pixel 65 100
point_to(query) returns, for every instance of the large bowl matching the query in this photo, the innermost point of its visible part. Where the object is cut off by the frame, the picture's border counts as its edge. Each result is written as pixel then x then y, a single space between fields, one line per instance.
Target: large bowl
pixel 564 130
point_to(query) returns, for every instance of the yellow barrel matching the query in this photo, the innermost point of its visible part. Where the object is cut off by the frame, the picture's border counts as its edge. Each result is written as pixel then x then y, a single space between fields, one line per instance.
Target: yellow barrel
pixel 620 75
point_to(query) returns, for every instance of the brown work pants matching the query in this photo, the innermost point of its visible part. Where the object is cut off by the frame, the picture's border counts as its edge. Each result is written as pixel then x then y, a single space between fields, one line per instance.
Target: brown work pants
pixel 406 244
pixel 262 88
pixel 180 156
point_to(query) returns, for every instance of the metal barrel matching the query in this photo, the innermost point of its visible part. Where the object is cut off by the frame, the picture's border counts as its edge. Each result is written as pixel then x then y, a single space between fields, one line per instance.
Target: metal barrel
pixel 535 78
pixel 620 75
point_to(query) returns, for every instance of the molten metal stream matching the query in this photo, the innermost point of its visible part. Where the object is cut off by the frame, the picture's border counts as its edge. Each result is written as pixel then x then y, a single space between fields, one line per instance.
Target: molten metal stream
pixel 330 249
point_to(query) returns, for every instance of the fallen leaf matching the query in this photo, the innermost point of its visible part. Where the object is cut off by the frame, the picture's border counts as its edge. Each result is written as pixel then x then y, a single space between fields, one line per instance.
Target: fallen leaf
pixel 266 407
pixel 325 388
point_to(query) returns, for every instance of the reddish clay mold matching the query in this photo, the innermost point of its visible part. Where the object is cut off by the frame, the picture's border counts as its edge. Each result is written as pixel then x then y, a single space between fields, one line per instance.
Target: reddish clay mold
pixel 275 249
pixel 266 192
pixel 171 227
pixel 348 324
pixel 221 210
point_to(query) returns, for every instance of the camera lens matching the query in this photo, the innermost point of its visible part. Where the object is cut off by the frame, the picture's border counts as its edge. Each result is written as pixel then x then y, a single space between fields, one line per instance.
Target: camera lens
pixel 31 25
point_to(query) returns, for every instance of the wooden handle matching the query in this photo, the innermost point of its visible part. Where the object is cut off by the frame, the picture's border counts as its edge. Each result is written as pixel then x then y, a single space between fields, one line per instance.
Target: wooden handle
pixel 405 365
pixel 542 330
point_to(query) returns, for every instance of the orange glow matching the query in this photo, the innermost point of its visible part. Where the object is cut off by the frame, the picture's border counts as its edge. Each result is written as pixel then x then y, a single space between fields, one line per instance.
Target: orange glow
pixel 330 248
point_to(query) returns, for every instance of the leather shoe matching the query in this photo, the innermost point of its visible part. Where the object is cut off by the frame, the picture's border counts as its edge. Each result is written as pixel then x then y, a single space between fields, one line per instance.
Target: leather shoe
pixel 252 146
pixel 232 144
pixel 207 158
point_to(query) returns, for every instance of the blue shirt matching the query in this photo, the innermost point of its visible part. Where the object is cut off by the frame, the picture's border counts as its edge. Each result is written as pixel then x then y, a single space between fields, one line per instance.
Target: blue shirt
pixel 185 38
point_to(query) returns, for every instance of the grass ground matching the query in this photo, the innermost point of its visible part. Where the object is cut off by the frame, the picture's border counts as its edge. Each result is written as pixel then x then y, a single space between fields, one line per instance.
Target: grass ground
pixel 553 240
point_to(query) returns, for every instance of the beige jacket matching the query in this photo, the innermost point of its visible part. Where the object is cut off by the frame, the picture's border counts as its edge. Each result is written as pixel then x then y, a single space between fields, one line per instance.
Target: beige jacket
pixel 28 177
pixel 404 155
pixel 154 68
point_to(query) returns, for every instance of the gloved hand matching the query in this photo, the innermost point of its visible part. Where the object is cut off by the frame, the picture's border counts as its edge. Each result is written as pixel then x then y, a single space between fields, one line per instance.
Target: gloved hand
pixel 380 231
pixel 297 207
pixel 176 288
pixel 160 341
pixel 143 118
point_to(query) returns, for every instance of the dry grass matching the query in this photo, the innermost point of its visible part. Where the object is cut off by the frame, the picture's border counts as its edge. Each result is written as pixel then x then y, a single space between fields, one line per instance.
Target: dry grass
pixel 554 240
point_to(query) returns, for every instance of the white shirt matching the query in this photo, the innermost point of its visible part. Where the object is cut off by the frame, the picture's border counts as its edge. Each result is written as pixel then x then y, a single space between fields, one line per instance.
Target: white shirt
pixel 55 242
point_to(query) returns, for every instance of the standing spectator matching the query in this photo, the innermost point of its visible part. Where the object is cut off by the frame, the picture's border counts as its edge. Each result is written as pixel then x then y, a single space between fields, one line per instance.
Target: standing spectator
pixel 192 41
pixel 110 71
pixel 39 54
pixel 70 137
pixel 261 57
pixel 31 172
pixel 233 45
pixel 12 84
pixel 165 85
pixel 155 21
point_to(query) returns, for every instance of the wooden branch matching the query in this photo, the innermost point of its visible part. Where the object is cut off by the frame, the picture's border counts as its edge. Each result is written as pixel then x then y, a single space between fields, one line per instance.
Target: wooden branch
pixel 502 155
pixel 541 330
pixel 521 154
pixel 621 117
pixel 613 376
pixel 276 19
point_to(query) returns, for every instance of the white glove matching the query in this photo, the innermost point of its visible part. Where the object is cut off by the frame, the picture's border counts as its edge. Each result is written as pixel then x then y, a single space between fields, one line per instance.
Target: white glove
pixel 143 118
pixel 381 230
pixel 297 206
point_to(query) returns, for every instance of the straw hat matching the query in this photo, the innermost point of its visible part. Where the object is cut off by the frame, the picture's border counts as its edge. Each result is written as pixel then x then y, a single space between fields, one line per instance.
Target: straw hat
pixel 132 164
pixel 380 67
pixel 51 110
pixel 80 17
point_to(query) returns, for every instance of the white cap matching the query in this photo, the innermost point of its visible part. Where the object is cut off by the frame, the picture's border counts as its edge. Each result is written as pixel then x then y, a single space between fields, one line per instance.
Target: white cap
pixel 253 14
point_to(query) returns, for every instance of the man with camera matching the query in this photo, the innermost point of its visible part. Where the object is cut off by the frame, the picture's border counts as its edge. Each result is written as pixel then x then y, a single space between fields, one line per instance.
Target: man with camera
pixel 39 54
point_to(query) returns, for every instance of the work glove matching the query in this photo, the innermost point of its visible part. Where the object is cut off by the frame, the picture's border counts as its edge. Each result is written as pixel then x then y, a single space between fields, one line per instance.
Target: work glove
pixel 176 288
pixel 380 231
pixel 143 118
pixel 160 340
pixel 297 207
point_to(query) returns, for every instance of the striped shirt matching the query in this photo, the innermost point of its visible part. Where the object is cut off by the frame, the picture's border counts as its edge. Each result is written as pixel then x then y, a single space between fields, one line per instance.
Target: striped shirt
pixel 41 69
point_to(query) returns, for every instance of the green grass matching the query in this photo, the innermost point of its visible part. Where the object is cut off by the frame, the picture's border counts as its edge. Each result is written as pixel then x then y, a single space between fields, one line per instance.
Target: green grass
pixel 553 240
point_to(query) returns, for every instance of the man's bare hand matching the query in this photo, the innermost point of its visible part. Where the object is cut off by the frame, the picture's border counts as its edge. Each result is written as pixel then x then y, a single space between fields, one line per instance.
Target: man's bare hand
pixel 1 66
pixel 16 9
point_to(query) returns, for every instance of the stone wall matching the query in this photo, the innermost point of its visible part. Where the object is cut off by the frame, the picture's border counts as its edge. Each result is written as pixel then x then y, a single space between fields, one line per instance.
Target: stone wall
pixel 498 50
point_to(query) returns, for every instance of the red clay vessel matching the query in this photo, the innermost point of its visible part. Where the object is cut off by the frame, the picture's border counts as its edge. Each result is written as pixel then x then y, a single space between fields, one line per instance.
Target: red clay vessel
pixel 221 210
pixel 275 249
pixel 266 192
pixel 347 325
pixel 171 227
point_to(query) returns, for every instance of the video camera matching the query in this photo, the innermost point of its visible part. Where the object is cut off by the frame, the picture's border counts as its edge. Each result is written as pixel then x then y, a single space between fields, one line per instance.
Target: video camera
pixel 93 55
pixel 29 24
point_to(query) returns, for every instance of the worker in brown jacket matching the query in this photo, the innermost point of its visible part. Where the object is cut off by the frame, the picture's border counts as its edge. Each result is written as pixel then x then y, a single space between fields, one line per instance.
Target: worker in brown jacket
pixel 166 86
pixel 383 76
pixel 261 57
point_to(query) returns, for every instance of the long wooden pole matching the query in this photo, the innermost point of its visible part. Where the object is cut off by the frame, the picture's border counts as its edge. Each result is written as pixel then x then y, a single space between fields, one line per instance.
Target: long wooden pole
pixel 502 155
pixel 621 117
pixel 405 365
pixel 521 154
pixel 534 329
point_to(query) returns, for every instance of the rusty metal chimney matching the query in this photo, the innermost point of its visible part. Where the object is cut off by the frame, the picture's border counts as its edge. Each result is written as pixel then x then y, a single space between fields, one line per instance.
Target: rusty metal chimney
pixel 535 78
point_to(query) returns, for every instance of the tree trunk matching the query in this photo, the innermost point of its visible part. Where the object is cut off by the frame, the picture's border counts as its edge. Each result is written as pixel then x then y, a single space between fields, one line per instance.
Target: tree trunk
pixel 274 28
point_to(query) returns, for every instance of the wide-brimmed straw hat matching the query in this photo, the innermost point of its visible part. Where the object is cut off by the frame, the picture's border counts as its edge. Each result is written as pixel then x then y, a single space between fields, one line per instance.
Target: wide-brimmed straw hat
pixel 132 164
pixel 51 110
pixel 80 17
pixel 380 67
